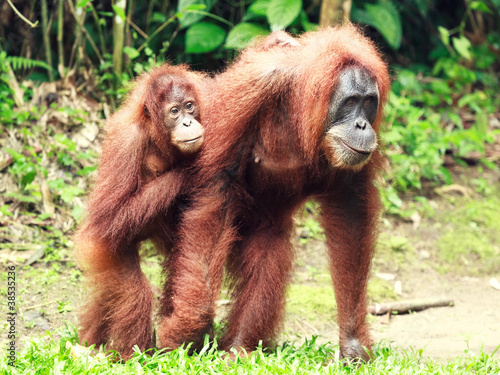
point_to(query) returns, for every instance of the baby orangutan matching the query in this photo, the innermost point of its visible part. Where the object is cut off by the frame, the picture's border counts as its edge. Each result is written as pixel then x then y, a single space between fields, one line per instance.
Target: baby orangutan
pixel 150 144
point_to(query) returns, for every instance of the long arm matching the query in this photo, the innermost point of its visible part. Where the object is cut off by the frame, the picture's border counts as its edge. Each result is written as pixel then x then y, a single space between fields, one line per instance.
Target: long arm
pixel 138 210
pixel 350 212
pixel 195 269
pixel 121 205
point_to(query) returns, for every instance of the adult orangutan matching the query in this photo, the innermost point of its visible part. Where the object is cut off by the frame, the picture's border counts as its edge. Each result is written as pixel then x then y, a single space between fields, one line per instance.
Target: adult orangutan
pixel 150 142
pixel 285 124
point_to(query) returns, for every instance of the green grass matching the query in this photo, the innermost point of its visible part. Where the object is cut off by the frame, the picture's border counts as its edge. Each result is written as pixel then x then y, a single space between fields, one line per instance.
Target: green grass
pixel 312 301
pixel 50 355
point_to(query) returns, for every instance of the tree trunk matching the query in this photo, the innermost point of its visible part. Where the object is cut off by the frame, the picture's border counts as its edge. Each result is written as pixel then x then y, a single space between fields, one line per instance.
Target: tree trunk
pixel 335 12
pixel 118 36
pixel 60 33
pixel 46 40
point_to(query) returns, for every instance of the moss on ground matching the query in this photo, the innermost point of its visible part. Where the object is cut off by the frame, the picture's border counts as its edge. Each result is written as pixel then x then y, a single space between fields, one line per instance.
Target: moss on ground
pixel 470 239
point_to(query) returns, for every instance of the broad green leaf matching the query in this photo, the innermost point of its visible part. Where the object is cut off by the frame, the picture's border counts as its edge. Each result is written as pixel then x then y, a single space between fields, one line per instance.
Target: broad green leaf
pixel 257 9
pixel 106 14
pixel 462 46
pixel 158 17
pixel 422 5
pixel 186 6
pixel 204 37
pixel 56 184
pixel 4 210
pixel 440 87
pixel 77 213
pixel 481 6
pixel 243 34
pixel 69 192
pixel 387 21
pixel 131 52
pixel 308 26
pixel 281 13
pixel 444 34
pixel 361 16
pixel 21 198
pixel 120 12
pixel 16 156
pixel 82 3
pixel 28 177
pixel 195 7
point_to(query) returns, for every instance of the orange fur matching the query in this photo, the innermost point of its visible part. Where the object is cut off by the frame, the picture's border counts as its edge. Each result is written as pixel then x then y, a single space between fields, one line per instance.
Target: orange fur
pixel 263 159
pixel 136 196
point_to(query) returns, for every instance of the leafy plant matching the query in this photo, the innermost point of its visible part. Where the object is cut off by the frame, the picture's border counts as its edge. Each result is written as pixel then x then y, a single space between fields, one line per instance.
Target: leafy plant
pixel 19 62
pixel 384 16
pixel 426 114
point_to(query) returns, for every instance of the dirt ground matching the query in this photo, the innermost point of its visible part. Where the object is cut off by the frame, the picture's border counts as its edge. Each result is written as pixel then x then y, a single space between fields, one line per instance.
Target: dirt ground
pixel 446 332
pixel 472 323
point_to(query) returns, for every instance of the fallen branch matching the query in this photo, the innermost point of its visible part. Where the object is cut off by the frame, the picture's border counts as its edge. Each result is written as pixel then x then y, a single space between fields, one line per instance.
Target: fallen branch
pixel 403 307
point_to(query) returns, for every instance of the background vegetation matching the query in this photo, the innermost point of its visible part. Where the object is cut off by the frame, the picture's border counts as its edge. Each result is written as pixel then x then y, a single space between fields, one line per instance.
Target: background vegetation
pixel 65 65
pixel 444 57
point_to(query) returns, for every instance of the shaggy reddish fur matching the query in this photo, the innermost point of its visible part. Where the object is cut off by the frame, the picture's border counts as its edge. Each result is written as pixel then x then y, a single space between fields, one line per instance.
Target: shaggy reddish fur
pixel 262 160
pixel 140 179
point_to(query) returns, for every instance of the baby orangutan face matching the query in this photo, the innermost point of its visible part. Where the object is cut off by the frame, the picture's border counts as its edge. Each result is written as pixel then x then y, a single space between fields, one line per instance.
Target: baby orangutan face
pixel 182 116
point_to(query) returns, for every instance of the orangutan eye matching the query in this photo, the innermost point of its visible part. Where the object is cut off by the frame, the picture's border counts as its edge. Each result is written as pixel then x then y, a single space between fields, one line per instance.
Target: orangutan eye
pixel 174 111
pixel 350 101
pixel 370 100
pixel 189 106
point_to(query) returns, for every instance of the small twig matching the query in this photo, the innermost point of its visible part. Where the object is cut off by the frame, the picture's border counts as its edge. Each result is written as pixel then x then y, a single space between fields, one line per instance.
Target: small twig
pixel 298 322
pixel 48 200
pixel 303 321
pixel 19 246
pixel 39 305
pixel 403 307
pixel 21 16
pixel 156 32
pixel 207 14
pixel 174 34
pixel 84 30
pixel 99 28
pixel 137 28
pixel 78 35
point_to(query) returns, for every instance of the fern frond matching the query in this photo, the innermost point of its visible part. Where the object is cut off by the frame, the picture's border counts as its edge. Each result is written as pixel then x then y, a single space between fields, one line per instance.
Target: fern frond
pixel 19 62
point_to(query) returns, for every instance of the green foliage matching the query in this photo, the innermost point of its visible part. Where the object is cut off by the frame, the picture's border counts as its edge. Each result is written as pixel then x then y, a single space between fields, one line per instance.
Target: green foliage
pixel 7 114
pixel 29 167
pixel 260 18
pixel 429 117
pixel 204 37
pixel 428 112
pixel 191 13
pixel 281 13
pixel 19 62
pixel 243 34
pixel 384 16
pixel 24 167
